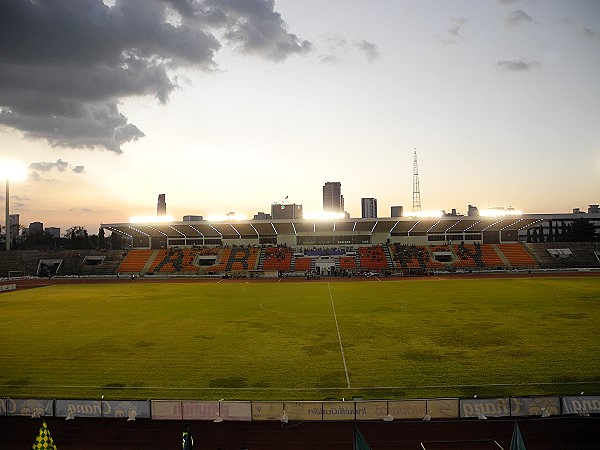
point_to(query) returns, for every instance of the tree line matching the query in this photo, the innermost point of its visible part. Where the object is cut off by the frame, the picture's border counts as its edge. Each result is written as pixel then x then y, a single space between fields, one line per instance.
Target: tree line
pixel 74 238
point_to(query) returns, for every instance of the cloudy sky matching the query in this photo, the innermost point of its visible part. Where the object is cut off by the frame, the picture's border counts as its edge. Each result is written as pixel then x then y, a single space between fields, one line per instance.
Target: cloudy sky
pixel 232 105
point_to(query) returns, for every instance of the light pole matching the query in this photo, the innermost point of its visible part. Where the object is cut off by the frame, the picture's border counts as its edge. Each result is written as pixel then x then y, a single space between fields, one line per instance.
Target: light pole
pixel 10 170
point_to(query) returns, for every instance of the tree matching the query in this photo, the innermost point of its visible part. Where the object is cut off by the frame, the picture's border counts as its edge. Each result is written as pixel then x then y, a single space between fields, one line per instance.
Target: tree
pixel 101 238
pixel 580 230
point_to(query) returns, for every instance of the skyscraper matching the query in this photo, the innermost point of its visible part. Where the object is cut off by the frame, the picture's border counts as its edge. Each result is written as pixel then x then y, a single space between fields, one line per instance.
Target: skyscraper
pixel 333 200
pixel 161 206
pixel 368 207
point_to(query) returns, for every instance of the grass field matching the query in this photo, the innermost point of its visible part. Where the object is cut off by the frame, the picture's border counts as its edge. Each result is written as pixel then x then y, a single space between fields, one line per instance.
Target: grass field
pixel 302 340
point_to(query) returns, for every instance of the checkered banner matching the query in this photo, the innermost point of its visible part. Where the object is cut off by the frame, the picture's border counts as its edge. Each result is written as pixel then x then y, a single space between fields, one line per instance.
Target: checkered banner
pixel 43 439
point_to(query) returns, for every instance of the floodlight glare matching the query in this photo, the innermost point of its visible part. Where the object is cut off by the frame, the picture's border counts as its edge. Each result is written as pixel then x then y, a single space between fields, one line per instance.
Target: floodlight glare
pixel 425 214
pixel 500 212
pixel 323 215
pixel 12 170
pixel 151 219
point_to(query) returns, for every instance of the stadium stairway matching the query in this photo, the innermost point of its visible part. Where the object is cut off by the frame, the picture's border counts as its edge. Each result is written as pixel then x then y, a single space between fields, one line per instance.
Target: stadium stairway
pixel 502 257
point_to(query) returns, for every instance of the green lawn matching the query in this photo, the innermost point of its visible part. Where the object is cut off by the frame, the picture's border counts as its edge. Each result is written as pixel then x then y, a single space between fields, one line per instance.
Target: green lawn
pixel 306 340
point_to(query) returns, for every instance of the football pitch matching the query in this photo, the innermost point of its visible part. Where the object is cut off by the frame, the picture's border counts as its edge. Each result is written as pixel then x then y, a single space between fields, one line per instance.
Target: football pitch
pixel 417 338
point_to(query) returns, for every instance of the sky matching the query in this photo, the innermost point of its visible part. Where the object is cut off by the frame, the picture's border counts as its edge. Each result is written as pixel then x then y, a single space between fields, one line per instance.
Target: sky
pixel 232 105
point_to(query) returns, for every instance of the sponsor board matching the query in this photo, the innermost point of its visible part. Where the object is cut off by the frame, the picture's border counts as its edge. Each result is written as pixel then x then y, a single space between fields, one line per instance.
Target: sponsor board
pixel 443 408
pixel 534 406
pixel 93 408
pixel 2 406
pixel 371 410
pixel 340 410
pixel 166 410
pixel 408 409
pixel 581 405
pixel 29 407
pixel 267 410
pixel 8 287
pixel 489 407
pixel 200 410
pixel 304 410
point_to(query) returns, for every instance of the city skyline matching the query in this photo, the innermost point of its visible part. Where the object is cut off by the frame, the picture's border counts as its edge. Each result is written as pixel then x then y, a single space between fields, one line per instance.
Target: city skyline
pixel 224 108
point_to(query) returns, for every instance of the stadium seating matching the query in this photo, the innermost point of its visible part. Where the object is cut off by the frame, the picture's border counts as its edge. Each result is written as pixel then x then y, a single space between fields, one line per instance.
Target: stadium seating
pixel 302 264
pixel 517 255
pixel 277 258
pixel 372 258
pixel 237 259
pixel 135 261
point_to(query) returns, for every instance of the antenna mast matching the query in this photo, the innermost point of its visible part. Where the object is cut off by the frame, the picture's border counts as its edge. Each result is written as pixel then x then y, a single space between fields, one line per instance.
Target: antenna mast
pixel 416 190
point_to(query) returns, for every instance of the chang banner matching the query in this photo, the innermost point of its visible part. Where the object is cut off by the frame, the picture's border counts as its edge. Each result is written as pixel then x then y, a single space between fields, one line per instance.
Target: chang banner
pixel 79 408
pixel 489 407
pixel 581 405
pixel 29 407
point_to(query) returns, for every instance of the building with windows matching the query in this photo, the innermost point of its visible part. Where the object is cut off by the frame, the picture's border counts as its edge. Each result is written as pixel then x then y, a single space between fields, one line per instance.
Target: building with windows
pixel 368 207
pixel 333 200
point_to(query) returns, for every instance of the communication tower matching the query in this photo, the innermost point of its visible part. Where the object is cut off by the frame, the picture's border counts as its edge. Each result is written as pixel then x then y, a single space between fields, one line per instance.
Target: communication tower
pixel 416 190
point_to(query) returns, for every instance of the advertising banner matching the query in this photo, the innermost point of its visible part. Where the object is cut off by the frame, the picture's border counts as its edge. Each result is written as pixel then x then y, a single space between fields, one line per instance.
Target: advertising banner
pixel 200 410
pixel 2 406
pixel 267 410
pixel 304 410
pixel 238 411
pixel 166 410
pixel 375 410
pixel 29 407
pixel 489 407
pixel 408 409
pixel 443 408
pixel 80 408
pixel 8 287
pixel 534 406
pixel 340 411
pixel 581 405
pixel 138 409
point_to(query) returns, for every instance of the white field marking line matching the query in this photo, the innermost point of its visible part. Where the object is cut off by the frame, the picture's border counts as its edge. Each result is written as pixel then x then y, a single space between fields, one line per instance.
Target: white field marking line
pixel 365 388
pixel 339 336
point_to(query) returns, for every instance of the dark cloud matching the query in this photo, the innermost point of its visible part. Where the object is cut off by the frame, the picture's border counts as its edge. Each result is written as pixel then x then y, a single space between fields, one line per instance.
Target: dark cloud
pixel 518 65
pixel 59 165
pixel 517 18
pixel 455 32
pixel 65 65
pixel 370 50
pixel 589 33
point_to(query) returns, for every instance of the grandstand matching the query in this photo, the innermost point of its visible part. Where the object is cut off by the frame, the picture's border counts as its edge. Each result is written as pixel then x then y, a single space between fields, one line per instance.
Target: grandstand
pixel 385 246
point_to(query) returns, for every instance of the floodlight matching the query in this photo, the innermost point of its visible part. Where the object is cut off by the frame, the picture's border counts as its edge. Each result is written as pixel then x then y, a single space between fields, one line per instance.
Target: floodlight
pixel 323 216
pixel 70 414
pixel 388 418
pixel 12 170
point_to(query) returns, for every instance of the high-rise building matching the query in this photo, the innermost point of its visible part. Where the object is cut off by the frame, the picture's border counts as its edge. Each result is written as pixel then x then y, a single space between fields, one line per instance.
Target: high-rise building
pixel 281 211
pixel 161 206
pixel 36 227
pixel 397 211
pixel 333 200
pixel 368 207
pixel 53 231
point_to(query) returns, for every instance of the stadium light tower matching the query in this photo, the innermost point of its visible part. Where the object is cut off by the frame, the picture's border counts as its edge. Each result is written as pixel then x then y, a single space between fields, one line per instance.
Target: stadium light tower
pixel 10 170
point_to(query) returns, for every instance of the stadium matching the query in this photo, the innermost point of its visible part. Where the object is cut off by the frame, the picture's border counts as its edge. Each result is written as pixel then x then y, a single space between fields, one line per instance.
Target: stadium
pixel 394 253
